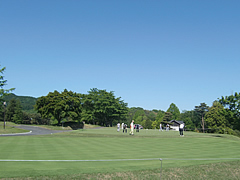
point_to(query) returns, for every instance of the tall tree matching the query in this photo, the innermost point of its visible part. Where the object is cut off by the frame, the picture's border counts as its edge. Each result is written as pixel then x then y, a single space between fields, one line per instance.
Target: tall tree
pixel 72 104
pixel 139 116
pixel 51 106
pixel 3 83
pixel 152 115
pixel 167 117
pixel 216 118
pixel 173 109
pixel 147 124
pixel 3 92
pixel 18 116
pixel 232 103
pixel 60 105
pixel 159 119
pixel 131 114
pixel 104 107
pixel 14 107
pixel 201 111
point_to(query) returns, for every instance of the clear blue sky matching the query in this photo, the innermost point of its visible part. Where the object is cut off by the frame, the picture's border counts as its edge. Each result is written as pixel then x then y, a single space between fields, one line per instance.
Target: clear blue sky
pixel 149 52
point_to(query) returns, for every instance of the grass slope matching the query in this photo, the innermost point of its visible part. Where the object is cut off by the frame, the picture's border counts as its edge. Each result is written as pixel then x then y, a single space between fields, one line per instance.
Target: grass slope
pixel 106 144
pixel 9 129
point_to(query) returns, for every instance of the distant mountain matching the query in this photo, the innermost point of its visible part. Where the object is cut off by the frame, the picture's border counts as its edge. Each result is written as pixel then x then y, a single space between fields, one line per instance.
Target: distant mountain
pixel 27 102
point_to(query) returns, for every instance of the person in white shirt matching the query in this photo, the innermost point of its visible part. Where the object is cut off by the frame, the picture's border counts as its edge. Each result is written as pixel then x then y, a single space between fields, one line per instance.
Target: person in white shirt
pixel 167 127
pixel 160 129
pixel 132 127
pixel 118 127
pixel 181 129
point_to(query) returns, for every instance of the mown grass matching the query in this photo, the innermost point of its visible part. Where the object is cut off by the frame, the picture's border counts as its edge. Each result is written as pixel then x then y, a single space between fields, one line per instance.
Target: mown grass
pixel 9 129
pixel 57 127
pixel 107 143
pixel 218 171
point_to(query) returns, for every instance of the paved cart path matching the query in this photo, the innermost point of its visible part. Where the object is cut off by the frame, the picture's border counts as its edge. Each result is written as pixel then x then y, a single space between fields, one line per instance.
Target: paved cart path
pixel 33 130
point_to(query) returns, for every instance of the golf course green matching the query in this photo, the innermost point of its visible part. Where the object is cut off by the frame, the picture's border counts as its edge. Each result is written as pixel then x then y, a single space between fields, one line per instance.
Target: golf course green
pixel 106 151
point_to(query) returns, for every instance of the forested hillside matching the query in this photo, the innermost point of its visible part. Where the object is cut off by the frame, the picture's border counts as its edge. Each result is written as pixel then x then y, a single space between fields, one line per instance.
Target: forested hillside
pixel 27 102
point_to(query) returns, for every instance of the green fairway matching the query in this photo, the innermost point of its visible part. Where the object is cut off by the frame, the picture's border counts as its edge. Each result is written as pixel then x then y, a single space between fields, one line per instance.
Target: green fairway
pixel 108 144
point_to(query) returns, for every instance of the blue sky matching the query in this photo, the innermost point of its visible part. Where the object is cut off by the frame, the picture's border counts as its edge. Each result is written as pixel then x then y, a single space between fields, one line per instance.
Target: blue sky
pixel 149 52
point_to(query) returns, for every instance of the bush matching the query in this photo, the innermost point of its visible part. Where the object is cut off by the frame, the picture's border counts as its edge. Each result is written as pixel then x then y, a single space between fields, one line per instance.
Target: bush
pixel 237 133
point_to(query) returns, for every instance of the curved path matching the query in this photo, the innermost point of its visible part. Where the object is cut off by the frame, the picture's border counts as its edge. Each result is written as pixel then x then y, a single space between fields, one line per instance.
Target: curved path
pixel 34 130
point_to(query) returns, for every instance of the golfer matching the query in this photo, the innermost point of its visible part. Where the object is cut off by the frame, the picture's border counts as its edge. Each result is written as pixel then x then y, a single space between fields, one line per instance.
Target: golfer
pixel 125 128
pixel 132 127
pixel 167 127
pixel 160 127
pixel 181 129
pixel 137 127
pixel 118 127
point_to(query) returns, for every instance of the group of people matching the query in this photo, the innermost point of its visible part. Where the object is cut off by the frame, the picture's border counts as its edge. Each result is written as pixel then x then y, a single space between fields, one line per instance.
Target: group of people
pixel 124 127
pixel 181 127
pixel 132 127
pixel 161 128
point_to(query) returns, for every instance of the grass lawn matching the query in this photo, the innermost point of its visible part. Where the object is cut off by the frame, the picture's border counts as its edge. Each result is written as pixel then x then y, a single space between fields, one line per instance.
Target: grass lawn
pixel 9 129
pixel 108 144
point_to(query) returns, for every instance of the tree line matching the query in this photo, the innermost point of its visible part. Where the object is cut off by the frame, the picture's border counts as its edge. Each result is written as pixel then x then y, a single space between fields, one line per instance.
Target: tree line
pixel 103 108
pixel 97 107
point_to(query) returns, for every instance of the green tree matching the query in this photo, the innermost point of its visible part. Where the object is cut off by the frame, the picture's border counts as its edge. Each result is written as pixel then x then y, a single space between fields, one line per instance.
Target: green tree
pixel 148 124
pixel 154 124
pixel 173 109
pixel 51 106
pixel 160 115
pixel 3 92
pixel 139 116
pixel 152 115
pixel 167 117
pixel 72 105
pixel 159 118
pixel 18 116
pixel 60 106
pixel 139 112
pixel 14 111
pixel 232 104
pixel 187 117
pixel 201 111
pixel 36 119
pixel 216 118
pixel 141 120
pixel 10 110
pixel 26 118
pixel 103 107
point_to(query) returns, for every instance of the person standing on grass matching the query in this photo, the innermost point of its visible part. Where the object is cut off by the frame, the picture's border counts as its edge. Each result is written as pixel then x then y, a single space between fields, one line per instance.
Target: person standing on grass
pixel 167 127
pixel 125 127
pixel 137 128
pixel 160 127
pixel 118 127
pixel 132 127
pixel 181 129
